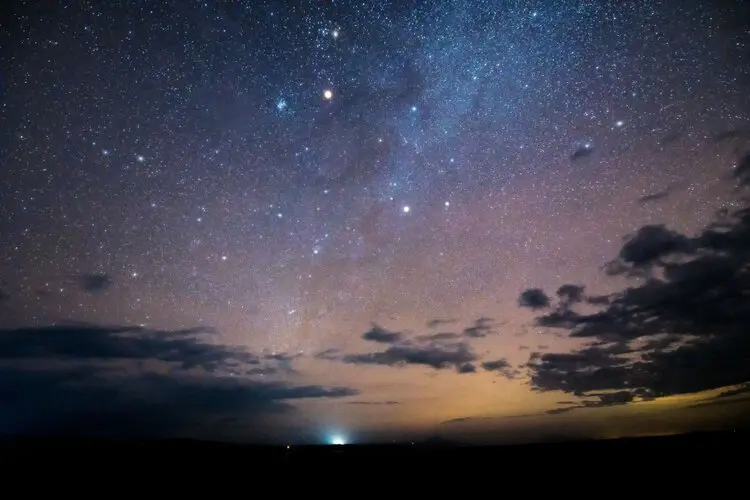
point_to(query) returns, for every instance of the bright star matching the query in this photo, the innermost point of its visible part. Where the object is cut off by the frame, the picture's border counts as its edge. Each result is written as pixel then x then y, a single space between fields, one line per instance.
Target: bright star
pixel 406 209
pixel 619 123
pixel 140 158
pixel 281 104
pixel 327 95
pixel 335 34
pixel 447 203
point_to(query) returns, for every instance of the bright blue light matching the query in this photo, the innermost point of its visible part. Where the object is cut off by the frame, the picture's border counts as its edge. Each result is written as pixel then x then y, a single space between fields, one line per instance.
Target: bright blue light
pixel 338 440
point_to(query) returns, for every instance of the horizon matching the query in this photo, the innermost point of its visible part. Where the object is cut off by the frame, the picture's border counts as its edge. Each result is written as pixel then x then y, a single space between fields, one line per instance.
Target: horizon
pixel 315 222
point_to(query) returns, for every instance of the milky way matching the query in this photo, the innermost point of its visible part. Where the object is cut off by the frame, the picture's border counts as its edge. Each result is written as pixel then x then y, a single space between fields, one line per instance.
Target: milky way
pixel 291 173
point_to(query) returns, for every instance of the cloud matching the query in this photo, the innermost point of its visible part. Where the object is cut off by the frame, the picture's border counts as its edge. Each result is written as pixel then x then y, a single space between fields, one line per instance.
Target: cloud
pixel 742 171
pixel 604 399
pixel 94 283
pixel 739 394
pixel 457 356
pixel 331 354
pixel 374 403
pixel 570 294
pixel 581 153
pixel 439 337
pixel 434 323
pixel 185 348
pixel 654 197
pixel 680 328
pixel 381 335
pixel 442 350
pixel 481 328
pixel 501 366
pixel 534 298
pixel 134 382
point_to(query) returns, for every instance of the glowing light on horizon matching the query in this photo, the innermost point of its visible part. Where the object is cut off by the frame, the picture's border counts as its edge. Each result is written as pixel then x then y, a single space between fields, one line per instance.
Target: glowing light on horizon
pixel 338 440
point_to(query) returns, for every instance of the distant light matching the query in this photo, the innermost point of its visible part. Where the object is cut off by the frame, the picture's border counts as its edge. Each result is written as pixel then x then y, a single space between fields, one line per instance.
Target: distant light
pixel 327 95
pixel 413 109
pixel 140 158
pixel 619 123
pixel 281 104
pixel 406 209
pixel 447 203
pixel 335 34
pixel 338 440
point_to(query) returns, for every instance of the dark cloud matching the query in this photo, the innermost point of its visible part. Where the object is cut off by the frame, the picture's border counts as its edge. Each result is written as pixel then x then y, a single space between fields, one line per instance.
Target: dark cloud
pixel 671 137
pixel 570 294
pixel 439 337
pixel 381 335
pixel 501 366
pixel 654 197
pixel 438 356
pixel 604 399
pixel 481 328
pixel 133 382
pixel 647 248
pixel 329 354
pixel 730 396
pixel 435 323
pixel 94 283
pixel 436 350
pixel 581 153
pixel 534 298
pixel 742 171
pixel 680 328
pixel 735 133
pixel 374 403
pixel 187 348
pixel 467 368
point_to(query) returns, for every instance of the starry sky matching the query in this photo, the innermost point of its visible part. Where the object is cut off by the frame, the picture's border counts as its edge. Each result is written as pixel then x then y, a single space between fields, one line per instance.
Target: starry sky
pixel 316 218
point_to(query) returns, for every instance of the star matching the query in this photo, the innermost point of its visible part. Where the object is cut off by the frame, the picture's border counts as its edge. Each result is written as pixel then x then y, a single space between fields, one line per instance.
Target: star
pixel 327 94
pixel 406 209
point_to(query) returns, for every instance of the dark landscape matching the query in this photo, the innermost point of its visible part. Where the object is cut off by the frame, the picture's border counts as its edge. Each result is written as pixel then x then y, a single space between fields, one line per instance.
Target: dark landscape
pixel 696 449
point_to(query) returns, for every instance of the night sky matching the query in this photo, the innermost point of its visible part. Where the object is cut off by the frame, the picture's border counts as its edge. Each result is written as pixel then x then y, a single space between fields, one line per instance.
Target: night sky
pixel 289 221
